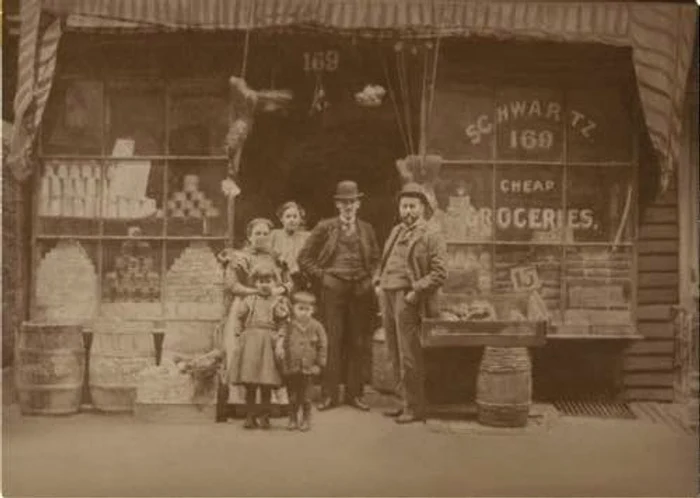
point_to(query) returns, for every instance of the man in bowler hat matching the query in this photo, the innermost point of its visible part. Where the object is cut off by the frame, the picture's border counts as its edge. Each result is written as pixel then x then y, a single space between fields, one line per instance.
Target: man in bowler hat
pixel 411 271
pixel 341 256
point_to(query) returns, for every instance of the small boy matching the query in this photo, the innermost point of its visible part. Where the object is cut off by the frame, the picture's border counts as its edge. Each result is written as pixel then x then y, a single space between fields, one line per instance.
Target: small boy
pixel 302 349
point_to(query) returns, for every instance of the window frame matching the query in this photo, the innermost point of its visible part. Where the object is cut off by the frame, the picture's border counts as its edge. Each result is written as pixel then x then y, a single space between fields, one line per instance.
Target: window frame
pixel 163 241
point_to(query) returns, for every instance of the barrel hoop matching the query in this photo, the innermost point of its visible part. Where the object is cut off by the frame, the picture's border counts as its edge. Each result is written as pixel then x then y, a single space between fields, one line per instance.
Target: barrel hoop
pixel 52 352
pixel 112 386
pixel 48 387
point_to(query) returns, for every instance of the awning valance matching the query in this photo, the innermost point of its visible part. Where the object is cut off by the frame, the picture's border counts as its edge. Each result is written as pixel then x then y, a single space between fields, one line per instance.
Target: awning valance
pixel 661 36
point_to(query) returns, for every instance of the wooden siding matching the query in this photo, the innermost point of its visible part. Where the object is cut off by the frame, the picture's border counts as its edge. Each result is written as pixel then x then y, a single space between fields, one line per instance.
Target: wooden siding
pixel 648 364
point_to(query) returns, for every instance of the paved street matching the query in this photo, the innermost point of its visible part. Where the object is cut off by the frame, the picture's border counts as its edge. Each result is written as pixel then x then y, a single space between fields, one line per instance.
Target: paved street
pixel 347 453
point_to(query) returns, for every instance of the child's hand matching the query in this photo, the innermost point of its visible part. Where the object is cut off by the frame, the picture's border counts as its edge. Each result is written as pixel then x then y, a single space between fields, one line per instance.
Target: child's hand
pixel 279 350
pixel 315 370
pixel 281 309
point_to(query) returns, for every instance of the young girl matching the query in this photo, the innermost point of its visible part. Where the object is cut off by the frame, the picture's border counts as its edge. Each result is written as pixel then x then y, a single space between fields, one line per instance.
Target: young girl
pixel 253 364
pixel 302 349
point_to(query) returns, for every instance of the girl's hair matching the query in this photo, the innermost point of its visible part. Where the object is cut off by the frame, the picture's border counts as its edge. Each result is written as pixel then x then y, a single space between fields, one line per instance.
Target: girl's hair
pixel 257 221
pixel 288 205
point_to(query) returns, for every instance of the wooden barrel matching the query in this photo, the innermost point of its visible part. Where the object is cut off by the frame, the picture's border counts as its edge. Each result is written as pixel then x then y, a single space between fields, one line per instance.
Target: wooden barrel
pixel 50 368
pixel 116 360
pixel 504 387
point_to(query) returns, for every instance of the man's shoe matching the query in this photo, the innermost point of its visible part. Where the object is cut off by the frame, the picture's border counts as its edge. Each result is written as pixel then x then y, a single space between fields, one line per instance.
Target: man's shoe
pixel 264 422
pixel 250 423
pixel 393 413
pixel 359 404
pixel 326 404
pixel 409 418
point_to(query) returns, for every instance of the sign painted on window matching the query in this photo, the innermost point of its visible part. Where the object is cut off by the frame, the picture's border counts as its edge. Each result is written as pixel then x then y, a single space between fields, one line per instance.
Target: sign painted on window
pixel 530 124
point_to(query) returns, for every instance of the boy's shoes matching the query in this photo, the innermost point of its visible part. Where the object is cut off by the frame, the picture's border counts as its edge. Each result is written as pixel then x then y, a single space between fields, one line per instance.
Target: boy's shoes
pixel 409 417
pixel 292 425
pixel 327 404
pixel 358 403
pixel 305 424
pixel 393 413
pixel 250 423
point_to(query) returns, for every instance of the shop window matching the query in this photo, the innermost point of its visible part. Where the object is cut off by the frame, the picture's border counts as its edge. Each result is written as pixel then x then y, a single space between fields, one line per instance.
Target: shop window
pixel 599 126
pixel 538 192
pixel 197 118
pixel 528 204
pixel 74 119
pixel 196 205
pixel 529 124
pixel 130 194
pixel 135 111
pixel 466 128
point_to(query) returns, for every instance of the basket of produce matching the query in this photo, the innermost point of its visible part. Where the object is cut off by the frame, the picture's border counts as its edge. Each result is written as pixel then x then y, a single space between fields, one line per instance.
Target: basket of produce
pixel 508 320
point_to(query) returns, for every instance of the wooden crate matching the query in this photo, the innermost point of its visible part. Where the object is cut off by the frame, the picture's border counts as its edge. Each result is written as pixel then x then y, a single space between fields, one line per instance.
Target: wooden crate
pixel 503 331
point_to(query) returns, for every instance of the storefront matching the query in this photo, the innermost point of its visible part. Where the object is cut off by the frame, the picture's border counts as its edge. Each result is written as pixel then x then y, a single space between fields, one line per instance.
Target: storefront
pixel 543 167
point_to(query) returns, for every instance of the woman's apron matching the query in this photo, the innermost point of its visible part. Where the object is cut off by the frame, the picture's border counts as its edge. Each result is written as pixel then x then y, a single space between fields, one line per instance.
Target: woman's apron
pixel 237 392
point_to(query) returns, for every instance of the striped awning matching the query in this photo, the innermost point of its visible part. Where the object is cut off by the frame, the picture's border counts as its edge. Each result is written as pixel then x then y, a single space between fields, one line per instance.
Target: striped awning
pixel 660 34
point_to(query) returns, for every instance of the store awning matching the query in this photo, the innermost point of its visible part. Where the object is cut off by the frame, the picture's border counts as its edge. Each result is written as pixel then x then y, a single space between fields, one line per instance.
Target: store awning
pixel 661 36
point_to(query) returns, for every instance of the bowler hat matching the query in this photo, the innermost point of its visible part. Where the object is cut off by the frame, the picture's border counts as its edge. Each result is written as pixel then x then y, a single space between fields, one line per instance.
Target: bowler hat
pixel 347 190
pixel 413 189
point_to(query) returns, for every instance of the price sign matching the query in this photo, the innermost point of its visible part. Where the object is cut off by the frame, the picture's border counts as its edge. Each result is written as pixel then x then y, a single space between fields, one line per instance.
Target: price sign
pixel 525 278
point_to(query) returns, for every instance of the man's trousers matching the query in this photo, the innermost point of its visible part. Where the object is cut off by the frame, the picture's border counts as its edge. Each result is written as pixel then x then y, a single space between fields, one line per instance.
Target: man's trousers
pixel 402 329
pixel 347 312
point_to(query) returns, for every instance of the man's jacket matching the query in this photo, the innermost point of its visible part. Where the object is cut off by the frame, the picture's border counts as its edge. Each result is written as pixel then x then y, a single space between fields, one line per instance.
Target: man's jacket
pixel 426 263
pixel 319 249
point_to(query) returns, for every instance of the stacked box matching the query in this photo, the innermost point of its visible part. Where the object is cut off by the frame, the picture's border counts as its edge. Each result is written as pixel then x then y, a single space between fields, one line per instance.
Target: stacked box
pixel 66 284
pixel 194 284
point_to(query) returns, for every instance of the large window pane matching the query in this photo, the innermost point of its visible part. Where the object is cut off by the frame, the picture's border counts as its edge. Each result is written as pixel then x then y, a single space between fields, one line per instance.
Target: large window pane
pixel 469 269
pixel 73 119
pixel 196 205
pixel 68 201
pixel 528 203
pixel 197 117
pixel 599 127
pixel 465 199
pixel 133 197
pixel 136 112
pixel 598 289
pixel 533 269
pixel 600 204
pixel 530 123
pixel 131 278
pixel 462 126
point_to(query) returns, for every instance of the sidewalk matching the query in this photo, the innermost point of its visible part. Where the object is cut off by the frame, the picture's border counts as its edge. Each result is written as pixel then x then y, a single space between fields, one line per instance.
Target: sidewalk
pixel 347 453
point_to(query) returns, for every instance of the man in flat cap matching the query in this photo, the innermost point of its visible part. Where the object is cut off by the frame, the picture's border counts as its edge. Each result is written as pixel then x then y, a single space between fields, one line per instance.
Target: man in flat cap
pixel 411 271
pixel 341 256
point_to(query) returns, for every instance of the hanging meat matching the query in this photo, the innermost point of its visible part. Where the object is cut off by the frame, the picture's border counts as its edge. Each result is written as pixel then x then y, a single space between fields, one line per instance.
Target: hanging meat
pixel 244 103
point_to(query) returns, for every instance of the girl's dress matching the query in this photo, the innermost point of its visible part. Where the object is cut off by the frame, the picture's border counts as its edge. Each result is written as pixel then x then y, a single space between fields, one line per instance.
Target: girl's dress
pixel 239 269
pixel 253 360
